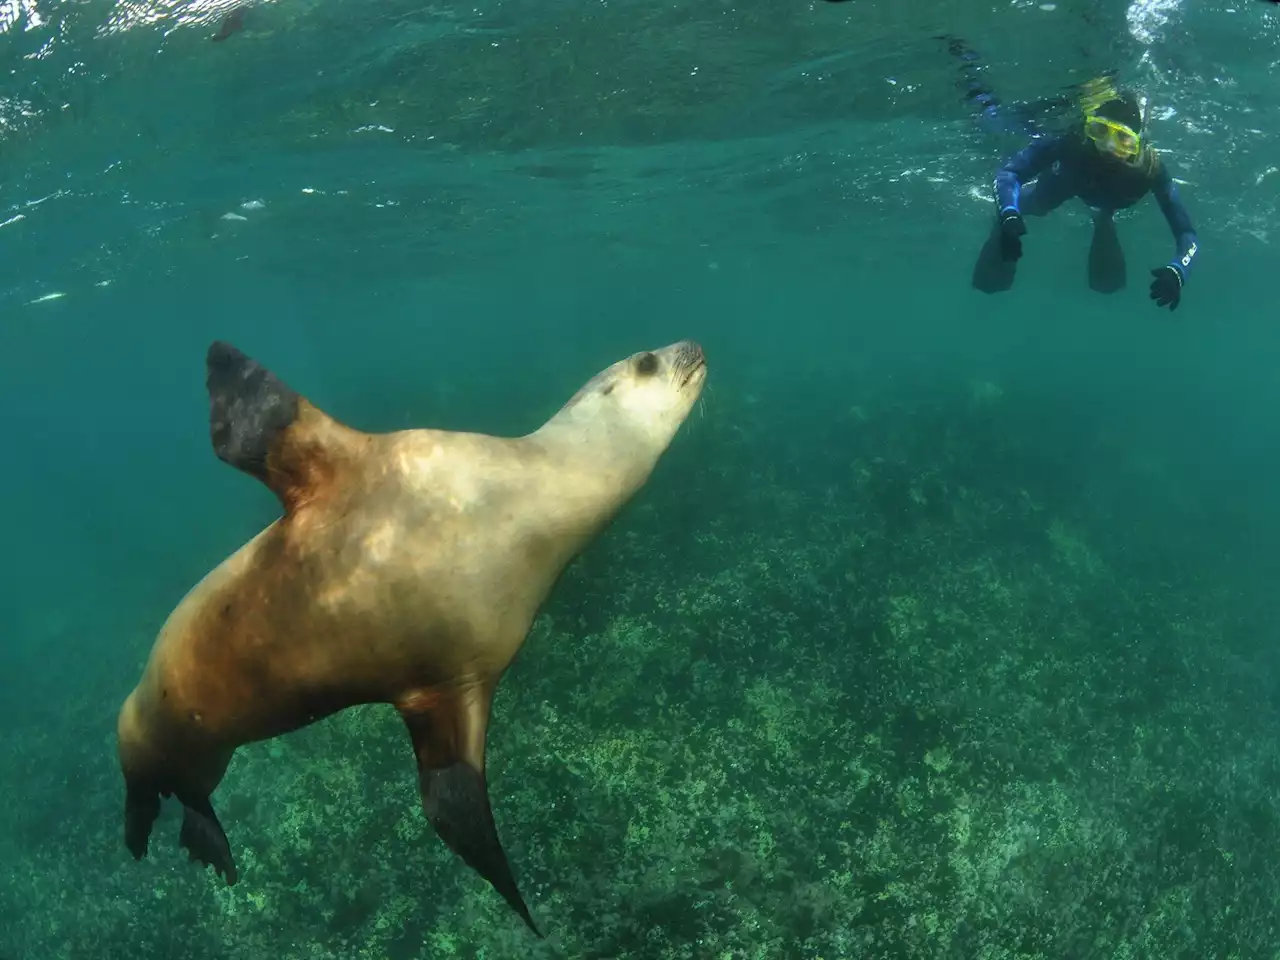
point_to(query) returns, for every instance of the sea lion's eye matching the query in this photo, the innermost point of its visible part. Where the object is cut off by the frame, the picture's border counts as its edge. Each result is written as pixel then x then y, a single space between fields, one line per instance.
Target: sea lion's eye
pixel 646 364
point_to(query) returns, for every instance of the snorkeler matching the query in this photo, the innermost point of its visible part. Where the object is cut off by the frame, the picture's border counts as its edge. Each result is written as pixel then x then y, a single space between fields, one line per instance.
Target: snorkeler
pixel 1103 160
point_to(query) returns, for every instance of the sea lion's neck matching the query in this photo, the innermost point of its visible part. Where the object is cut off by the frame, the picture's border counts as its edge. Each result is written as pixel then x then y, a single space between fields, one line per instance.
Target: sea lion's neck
pixel 608 444
pixel 591 466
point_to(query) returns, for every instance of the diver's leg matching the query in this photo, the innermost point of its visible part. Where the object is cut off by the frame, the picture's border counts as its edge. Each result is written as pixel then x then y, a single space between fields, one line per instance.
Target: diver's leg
pixel 1106 257
pixel 994 116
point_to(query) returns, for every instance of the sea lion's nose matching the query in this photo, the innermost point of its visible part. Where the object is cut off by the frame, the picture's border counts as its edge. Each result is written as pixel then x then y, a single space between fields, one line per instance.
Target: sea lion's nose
pixel 689 352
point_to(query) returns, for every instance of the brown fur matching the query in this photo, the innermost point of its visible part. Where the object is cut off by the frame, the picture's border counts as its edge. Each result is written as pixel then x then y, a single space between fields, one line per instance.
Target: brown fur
pixel 407 569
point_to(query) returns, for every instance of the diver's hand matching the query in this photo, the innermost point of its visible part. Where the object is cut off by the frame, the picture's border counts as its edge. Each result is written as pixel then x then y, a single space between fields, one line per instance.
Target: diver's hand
pixel 1012 230
pixel 1166 288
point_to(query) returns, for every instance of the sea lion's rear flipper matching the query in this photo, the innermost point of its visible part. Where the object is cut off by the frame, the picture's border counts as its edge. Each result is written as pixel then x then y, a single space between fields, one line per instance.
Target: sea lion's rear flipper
pixel 202 837
pixel 141 807
pixel 261 426
pixel 448 739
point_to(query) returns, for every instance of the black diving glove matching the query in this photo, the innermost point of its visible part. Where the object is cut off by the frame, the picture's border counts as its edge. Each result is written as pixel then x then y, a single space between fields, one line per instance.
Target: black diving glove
pixel 1012 229
pixel 1166 288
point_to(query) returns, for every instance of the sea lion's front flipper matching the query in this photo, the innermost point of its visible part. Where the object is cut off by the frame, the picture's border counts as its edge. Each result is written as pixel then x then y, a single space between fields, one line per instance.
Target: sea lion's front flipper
pixel 448 738
pixel 259 425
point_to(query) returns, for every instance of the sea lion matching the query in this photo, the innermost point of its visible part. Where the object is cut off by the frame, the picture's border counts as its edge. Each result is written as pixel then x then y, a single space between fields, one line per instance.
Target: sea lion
pixel 407 568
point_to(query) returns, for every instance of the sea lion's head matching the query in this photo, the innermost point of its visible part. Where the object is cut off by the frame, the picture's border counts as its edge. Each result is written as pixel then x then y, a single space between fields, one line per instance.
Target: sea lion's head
pixel 645 397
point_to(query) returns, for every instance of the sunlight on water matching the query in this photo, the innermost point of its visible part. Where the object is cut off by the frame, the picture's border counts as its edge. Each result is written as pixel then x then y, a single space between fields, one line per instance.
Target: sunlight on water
pixel 173 14
pixel 945 630
pixel 1147 18
pixel 14 11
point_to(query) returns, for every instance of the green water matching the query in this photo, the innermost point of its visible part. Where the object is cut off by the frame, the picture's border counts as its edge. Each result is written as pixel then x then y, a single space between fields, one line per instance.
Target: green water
pixel 945 628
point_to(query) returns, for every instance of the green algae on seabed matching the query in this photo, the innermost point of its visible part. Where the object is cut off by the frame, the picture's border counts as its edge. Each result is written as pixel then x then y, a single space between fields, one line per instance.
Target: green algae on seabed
pixel 901 706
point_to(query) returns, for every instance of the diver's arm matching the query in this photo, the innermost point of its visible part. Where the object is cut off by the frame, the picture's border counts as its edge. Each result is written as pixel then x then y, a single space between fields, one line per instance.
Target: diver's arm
pixel 1023 166
pixel 1184 233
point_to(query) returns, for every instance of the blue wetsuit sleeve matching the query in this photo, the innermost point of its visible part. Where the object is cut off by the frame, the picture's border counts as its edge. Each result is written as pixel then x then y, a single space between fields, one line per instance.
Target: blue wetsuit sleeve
pixel 1184 233
pixel 1024 165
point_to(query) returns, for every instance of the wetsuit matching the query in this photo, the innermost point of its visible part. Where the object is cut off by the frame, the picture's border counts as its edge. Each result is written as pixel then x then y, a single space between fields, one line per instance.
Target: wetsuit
pixel 1064 166
pixel 1067 167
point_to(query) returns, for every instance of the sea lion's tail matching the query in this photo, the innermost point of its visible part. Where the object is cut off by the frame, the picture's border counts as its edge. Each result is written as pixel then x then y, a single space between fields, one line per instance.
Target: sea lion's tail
pixel 259 425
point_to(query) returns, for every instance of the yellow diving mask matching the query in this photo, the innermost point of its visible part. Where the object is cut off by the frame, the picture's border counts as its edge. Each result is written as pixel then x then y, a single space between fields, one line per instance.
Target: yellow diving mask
pixel 1114 138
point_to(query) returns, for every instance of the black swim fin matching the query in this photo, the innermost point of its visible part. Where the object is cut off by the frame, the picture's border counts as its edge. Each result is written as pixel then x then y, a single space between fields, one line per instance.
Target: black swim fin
pixel 993 273
pixel 1107 272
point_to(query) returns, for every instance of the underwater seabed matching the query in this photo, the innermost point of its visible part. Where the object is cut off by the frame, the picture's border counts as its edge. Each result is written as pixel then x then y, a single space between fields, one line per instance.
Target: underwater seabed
pixel 921 684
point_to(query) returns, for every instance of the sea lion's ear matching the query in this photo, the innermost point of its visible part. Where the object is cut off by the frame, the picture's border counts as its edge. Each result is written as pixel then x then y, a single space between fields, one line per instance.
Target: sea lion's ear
pixel 448 735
